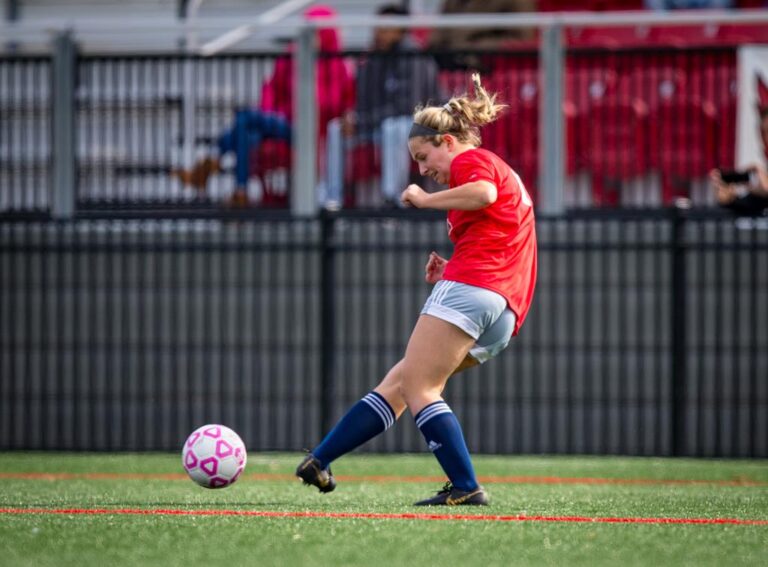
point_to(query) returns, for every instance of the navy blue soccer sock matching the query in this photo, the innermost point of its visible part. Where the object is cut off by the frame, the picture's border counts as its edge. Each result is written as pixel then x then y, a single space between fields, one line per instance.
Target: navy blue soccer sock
pixel 364 421
pixel 444 438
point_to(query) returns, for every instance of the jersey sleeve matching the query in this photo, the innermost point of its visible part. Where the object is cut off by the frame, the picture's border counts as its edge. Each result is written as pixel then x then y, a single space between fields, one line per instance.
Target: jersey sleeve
pixel 469 167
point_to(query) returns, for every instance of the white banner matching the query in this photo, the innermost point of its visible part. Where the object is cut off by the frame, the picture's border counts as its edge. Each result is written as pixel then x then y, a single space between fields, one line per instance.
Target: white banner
pixel 751 147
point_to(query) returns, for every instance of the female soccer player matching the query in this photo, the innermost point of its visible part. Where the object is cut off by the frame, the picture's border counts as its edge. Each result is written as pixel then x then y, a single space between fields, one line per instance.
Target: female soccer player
pixel 480 298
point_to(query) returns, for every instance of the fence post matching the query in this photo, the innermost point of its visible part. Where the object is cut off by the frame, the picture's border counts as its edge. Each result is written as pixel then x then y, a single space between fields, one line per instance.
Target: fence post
pixel 551 185
pixel 63 119
pixel 679 330
pixel 303 198
pixel 327 318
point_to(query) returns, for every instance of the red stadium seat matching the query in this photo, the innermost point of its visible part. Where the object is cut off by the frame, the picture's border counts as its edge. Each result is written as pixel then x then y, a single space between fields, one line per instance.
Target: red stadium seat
pixel 698 35
pixel 611 37
pixel 654 83
pixel 737 34
pixel 616 147
pixel 271 162
pixel 588 82
pixel 362 163
pixel 684 36
pixel 683 135
pixel 515 136
pixel 715 81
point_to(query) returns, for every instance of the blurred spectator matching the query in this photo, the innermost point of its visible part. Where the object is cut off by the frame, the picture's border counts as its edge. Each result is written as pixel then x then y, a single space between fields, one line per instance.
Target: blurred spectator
pixel 746 192
pixel 272 119
pixel 390 83
pixel 472 39
pixel 748 196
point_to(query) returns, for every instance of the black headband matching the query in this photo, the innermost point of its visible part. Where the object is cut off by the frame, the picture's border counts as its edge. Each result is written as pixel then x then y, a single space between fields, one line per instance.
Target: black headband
pixel 421 130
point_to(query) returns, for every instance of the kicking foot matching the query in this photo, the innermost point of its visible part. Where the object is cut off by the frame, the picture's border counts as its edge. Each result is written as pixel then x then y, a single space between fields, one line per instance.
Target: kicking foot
pixel 310 471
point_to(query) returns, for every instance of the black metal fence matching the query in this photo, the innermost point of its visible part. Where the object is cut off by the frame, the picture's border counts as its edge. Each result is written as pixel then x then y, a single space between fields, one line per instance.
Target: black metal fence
pixel 644 126
pixel 648 333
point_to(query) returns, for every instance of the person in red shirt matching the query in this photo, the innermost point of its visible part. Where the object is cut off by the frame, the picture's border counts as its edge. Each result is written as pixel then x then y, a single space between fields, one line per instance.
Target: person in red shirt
pixel 480 299
pixel 272 118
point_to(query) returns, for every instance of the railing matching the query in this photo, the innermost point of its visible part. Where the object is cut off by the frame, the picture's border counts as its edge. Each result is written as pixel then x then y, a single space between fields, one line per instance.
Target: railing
pixel 647 335
pixel 643 126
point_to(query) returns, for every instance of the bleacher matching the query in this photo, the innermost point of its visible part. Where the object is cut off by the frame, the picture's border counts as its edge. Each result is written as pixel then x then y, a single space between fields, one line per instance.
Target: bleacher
pixel 219 16
pixel 644 123
pixel 649 110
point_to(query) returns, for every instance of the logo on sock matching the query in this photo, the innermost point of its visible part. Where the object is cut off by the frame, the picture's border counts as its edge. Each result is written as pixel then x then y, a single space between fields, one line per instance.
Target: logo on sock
pixel 434 446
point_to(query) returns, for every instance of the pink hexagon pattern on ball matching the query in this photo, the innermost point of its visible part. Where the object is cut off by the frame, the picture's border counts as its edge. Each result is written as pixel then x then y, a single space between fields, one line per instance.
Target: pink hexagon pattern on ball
pixel 239 455
pixel 214 432
pixel 190 460
pixel 193 438
pixel 223 449
pixel 210 466
pixel 237 474
pixel 218 482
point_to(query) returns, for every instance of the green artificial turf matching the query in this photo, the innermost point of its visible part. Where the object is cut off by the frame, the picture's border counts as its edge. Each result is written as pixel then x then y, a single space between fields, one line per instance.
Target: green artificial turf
pixel 556 487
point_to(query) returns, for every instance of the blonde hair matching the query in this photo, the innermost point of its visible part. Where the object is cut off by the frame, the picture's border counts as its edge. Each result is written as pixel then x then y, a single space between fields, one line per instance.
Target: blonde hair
pixel 461 116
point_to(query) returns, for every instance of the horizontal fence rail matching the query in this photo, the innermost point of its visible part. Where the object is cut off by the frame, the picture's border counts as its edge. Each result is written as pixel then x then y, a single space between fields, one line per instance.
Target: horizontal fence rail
pixel 647 335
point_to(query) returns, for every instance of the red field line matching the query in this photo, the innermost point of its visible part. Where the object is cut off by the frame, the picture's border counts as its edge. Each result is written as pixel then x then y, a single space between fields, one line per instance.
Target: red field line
pixel 392 479
pixel 379 516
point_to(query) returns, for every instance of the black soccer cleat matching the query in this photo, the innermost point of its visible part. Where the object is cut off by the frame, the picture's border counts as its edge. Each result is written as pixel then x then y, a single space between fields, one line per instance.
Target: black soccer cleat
pixel 310 471
pixel 450 496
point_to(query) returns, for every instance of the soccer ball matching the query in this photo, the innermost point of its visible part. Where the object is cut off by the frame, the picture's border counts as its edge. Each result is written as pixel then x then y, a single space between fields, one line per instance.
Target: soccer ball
pixel 214 456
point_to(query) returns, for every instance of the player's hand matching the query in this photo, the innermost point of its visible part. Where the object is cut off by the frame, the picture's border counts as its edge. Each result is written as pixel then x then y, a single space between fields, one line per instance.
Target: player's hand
pixel 433 271
pixel 414 196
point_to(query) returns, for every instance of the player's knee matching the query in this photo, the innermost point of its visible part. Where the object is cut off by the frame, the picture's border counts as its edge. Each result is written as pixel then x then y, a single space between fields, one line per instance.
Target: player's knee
pixel 390 389
pixel 415 391
pixel 408 388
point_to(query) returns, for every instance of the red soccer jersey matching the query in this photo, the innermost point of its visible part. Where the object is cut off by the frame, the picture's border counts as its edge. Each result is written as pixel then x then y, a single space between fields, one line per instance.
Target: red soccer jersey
pixel 494 247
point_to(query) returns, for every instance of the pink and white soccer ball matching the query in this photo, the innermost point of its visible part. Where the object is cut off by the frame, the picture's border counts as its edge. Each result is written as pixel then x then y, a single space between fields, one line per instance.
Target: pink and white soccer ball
pixel 214 456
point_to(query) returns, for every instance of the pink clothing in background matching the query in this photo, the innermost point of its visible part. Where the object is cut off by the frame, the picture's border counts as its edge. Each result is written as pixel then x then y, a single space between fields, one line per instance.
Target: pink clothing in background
pixel 335 88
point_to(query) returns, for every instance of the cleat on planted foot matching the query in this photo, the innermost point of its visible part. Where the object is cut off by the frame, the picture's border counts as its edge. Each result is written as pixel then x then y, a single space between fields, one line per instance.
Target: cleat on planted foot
pixel 451 496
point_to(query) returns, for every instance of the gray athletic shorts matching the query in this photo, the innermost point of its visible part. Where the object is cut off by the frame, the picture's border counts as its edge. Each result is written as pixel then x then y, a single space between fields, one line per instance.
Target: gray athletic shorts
pixel 481 313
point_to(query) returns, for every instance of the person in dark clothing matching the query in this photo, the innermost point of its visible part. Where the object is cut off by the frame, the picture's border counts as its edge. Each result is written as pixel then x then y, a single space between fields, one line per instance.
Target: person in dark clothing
pixel 461 42
pixel 391 80
pixel 746 192
pixel 747 196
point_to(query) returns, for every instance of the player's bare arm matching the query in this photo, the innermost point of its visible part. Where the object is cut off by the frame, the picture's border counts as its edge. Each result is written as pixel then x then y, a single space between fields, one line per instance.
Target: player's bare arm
pixel 468 197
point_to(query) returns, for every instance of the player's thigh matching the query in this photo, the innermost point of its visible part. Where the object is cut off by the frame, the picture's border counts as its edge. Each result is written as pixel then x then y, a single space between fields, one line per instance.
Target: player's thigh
pixel 434 351
pixel 493 340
